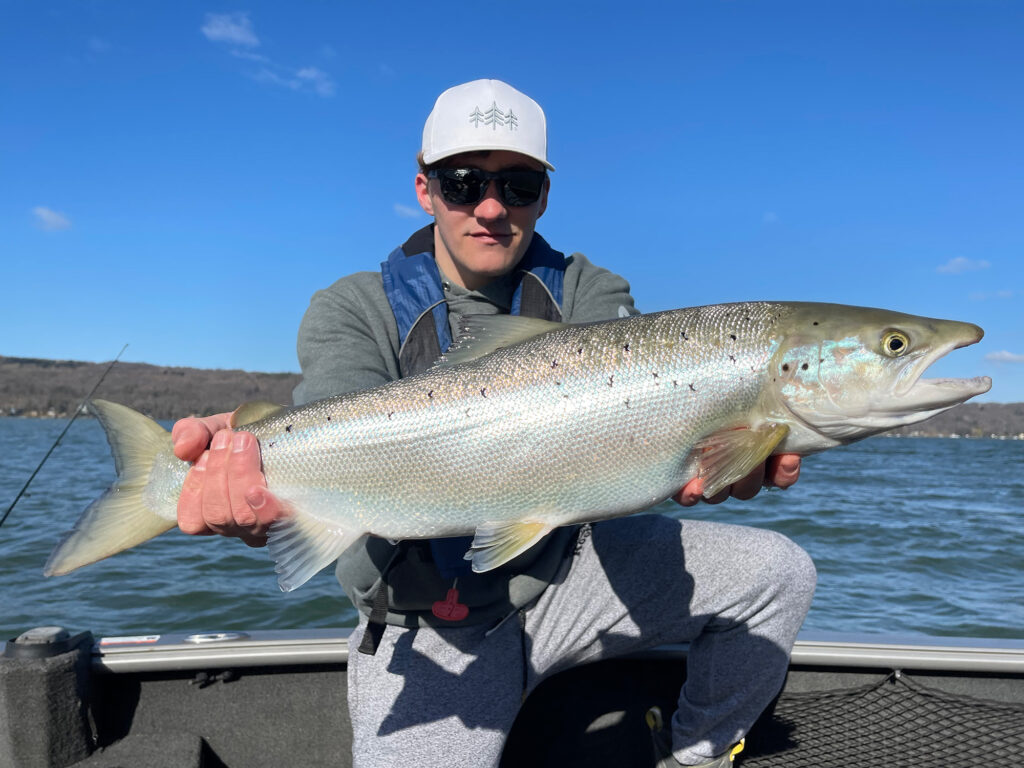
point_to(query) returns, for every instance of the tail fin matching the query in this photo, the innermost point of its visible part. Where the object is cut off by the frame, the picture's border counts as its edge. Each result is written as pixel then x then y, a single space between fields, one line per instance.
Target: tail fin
pixel 122 517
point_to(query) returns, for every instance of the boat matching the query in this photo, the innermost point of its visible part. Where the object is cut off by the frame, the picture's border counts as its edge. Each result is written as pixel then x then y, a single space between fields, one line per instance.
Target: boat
pixel 275 698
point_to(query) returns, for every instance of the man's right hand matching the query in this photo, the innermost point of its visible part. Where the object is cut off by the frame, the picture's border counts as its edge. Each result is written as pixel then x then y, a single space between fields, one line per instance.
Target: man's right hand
pixel 225 491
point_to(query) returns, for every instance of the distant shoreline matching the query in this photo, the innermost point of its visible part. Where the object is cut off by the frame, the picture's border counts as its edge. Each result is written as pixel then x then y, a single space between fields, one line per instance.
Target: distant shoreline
pixel 41 388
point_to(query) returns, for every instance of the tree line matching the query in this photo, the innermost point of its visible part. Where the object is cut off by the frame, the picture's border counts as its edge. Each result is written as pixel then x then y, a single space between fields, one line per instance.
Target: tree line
pixel 54 388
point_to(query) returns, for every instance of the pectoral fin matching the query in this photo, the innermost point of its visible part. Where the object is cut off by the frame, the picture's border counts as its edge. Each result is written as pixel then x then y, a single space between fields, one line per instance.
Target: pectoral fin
pixel 731 454
pixel 496 543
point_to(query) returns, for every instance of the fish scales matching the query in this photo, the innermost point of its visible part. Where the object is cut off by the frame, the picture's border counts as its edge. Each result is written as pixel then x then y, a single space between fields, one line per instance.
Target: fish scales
pixel 608 411
pixel 526 425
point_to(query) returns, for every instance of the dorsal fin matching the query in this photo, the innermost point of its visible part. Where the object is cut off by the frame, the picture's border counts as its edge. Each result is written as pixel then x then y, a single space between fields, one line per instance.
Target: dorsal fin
pixel 480 335
pixel 248 413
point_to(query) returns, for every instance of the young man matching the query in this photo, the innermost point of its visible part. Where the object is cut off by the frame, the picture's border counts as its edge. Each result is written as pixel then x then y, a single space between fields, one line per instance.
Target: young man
pixel 447 655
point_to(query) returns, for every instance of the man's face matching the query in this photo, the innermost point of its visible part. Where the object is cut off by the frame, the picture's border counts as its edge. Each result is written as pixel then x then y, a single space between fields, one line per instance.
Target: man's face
pixel 478 242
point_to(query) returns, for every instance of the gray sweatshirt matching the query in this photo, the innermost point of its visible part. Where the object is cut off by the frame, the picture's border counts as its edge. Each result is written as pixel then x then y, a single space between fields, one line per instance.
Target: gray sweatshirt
pixel 349 341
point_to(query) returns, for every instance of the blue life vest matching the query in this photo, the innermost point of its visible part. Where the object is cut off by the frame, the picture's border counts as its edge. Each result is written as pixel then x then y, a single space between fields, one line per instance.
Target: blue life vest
pixel 412 283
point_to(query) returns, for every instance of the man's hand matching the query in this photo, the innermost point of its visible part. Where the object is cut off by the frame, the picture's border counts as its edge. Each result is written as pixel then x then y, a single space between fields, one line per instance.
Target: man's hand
pixel 225 491
pixel 780 471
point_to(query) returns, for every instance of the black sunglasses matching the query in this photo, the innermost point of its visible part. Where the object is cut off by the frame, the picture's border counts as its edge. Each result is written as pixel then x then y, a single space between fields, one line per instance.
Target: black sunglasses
pixel 467 186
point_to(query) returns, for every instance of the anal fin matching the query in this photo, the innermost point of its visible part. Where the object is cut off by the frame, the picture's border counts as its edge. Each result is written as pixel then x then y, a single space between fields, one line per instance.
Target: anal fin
pixel 731 454
pixel 494 544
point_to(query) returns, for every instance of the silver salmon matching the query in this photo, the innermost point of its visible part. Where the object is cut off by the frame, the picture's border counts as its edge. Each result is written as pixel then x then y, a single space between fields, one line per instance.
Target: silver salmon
pixel 525 425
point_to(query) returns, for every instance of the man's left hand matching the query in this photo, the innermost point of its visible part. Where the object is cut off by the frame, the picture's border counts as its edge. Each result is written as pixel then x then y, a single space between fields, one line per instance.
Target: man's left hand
pixel 779 471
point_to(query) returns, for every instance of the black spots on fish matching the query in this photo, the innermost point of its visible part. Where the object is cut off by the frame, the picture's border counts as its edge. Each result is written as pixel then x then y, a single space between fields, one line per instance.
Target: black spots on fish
pixel 627 403
pixel 288 428
pixel 692 388
pixel 804 367
pixel 685 335
pixel 328 418
pixel 785 367
pixel 430 394
pixel 483 392
pixel 558 383
pixel 270 445
pixel 626 347
pixel 733 358
pixel 654 374
pixel 732 336
pixel 611 380
pixel 390 414
pixel 675 383
pixel 815 322
pixel 579 351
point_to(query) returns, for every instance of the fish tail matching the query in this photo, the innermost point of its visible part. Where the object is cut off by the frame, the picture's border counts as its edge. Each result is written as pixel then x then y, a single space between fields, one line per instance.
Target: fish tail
pixel 122 517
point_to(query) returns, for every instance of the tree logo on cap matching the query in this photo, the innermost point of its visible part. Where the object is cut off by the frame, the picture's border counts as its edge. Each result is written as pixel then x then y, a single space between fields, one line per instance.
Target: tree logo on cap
pixel 494 117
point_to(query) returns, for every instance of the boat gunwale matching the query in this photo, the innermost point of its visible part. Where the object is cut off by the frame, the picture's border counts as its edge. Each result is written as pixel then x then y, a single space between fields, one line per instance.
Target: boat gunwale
pixel 306 647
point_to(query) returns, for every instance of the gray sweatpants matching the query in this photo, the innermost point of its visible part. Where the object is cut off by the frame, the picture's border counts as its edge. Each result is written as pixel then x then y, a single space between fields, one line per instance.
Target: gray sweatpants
pixel 448 697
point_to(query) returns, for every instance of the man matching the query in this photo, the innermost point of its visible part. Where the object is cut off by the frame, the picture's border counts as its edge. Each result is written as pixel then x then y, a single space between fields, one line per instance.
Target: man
pixel 447 655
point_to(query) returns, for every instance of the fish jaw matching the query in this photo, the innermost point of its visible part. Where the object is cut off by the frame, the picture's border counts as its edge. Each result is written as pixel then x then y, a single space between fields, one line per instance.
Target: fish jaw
pixel 867 394
pixel 915 398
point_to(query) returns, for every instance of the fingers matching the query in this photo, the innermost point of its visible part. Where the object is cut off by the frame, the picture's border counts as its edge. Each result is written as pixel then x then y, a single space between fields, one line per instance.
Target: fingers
pixel 225 491
pixel 190 501
pixel 192 436
pixel 779 471
pixel 783 470
pixel 691 493
pixel 748 487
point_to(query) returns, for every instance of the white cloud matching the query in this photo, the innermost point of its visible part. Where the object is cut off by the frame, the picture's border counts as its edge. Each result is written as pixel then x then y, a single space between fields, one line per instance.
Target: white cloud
pixel 235 28
pixel 249 55
pixel 1004 357
pixel 49 219
pixel 407 211
pixel 960 264
pixel 305 79
pixel 989 295
pixel 317 79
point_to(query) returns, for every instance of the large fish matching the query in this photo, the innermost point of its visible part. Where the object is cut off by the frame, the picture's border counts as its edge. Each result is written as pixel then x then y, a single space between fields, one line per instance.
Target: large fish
pixel 526 425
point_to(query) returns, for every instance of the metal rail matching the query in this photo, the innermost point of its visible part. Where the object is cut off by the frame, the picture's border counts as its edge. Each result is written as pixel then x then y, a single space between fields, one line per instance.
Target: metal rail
pixel 175 652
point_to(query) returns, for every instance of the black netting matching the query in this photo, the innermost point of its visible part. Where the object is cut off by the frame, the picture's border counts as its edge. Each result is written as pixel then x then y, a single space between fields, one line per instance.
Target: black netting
pixel 892 722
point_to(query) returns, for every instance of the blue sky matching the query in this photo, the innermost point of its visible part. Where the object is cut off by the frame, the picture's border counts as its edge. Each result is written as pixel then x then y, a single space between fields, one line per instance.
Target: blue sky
pixel 183 176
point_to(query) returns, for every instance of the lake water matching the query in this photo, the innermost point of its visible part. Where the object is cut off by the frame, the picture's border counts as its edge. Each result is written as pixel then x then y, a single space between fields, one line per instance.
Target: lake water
pixel 911 536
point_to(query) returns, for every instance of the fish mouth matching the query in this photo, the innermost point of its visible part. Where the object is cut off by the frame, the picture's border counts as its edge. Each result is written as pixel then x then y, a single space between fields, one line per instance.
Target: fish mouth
pixel 861 410
pixel 926 397
pixel 930 396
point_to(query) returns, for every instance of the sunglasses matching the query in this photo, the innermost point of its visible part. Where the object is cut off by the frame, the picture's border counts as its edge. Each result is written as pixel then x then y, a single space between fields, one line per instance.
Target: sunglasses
pixel 467 186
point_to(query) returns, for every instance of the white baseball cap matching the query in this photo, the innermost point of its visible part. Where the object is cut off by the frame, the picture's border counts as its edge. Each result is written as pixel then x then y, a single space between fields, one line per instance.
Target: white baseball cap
pixel 485 114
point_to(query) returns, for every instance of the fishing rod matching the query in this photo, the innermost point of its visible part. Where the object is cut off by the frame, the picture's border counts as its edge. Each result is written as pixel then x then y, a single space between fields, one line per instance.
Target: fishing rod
pixel 56 442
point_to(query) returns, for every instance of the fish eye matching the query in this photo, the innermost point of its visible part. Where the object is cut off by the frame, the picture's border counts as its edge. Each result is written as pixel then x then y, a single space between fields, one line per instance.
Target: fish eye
pixel 895 343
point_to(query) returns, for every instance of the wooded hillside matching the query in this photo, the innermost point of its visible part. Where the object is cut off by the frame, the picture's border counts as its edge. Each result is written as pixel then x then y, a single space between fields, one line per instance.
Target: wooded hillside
pixel 34 387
